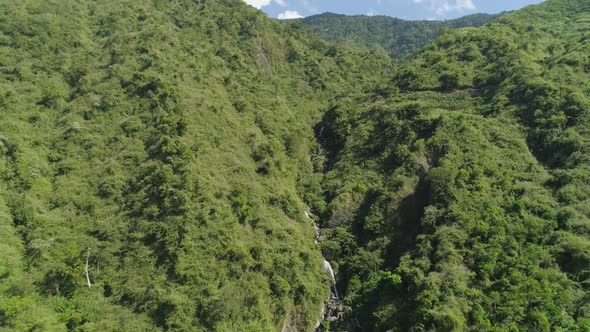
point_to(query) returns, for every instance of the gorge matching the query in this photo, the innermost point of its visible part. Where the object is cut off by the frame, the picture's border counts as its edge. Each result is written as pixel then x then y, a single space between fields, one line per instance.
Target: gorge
pixel 163 165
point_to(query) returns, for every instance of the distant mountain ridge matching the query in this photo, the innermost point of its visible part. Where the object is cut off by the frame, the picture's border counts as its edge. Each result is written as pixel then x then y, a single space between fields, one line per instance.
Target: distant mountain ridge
pixel 399 38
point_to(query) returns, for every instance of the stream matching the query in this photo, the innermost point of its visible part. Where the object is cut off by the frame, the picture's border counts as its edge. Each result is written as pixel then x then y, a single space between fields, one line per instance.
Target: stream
pixel 332 310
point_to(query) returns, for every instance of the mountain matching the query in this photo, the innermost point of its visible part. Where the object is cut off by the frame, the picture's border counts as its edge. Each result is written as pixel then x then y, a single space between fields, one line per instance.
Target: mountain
pixel 153 157
pixel 399 38
pixel 160 162
pixel 460 201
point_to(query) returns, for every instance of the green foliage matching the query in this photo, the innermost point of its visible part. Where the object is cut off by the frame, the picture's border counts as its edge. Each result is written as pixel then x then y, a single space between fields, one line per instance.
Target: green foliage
pixel 459 203
pixel 167 151
pixel 163 147
pixel 399 38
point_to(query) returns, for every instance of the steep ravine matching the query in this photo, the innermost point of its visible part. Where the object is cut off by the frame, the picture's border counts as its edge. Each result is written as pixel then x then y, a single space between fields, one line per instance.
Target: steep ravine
pixel 333 309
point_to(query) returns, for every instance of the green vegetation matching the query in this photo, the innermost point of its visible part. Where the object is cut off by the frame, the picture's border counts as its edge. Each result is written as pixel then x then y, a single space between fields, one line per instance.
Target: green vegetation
pixel 461 202
pixel 165 143
pixel 157 158
pixel 399 38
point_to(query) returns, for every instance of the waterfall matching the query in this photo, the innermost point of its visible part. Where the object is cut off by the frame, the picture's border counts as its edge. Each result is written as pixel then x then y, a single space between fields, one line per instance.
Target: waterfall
pixel 332 310
pixel 330 272
pixel 327 265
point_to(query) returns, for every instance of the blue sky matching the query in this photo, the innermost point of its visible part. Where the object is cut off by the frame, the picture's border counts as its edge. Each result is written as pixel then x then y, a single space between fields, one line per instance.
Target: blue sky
pixel 406 9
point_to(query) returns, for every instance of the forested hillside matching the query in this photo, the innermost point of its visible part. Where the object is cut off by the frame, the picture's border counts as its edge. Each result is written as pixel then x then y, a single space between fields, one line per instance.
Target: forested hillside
pixel 157 160
pixel 164 148
pixel 399 38
pixel 462 200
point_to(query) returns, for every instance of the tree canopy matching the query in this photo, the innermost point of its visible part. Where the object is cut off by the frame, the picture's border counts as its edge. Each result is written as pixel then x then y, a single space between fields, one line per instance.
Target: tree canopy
pixel 157 160
pixel 398 38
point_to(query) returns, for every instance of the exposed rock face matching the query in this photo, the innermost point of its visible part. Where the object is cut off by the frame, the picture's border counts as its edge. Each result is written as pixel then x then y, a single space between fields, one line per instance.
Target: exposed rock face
pixel 334 311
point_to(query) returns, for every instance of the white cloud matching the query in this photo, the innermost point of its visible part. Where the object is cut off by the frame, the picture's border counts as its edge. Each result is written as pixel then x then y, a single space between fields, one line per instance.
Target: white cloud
pixel 286 15
pixel 289 14
pixel 261 3
pixel 258 3
pixel 442 7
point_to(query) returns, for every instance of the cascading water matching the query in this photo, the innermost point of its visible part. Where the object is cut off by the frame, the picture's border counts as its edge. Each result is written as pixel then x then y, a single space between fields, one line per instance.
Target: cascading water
pixel 330 272
pixel 330 311
pixel 327 265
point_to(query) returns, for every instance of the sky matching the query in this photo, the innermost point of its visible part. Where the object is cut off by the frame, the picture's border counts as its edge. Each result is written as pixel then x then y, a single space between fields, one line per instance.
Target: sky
pixel 405 9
